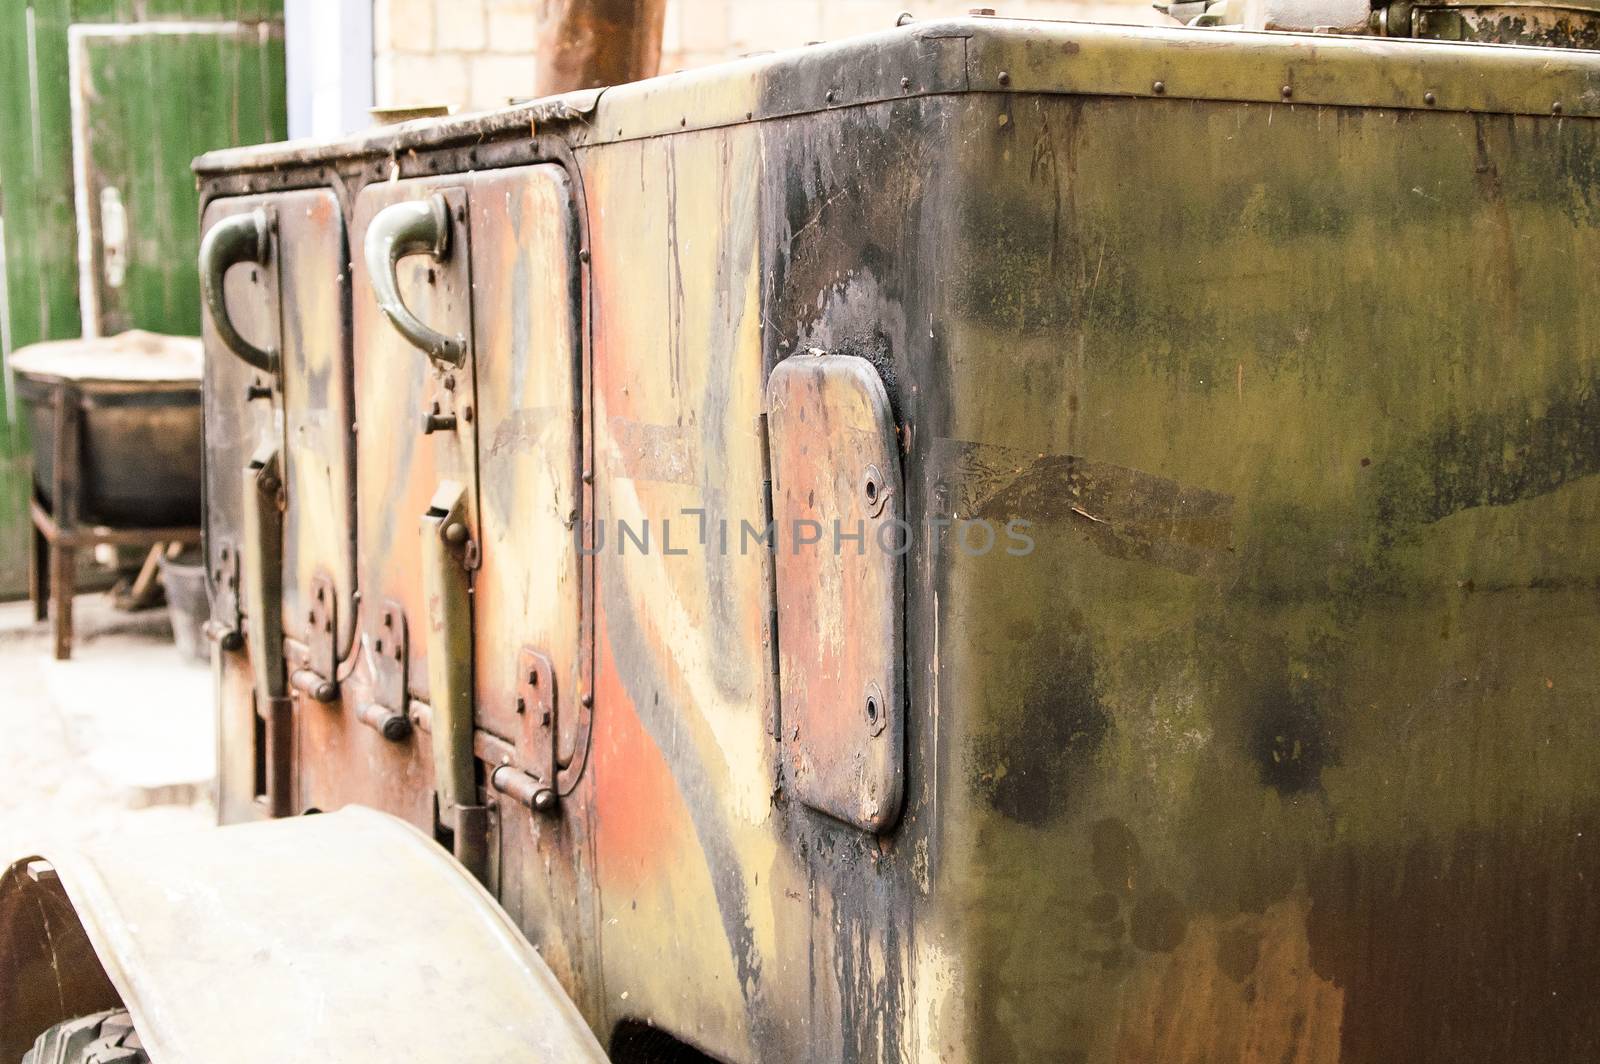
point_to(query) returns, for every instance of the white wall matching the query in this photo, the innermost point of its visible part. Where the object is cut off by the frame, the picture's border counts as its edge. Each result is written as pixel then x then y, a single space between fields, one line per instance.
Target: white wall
pixel 328 46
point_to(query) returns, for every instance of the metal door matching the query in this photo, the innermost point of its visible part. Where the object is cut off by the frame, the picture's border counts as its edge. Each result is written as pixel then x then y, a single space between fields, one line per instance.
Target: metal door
pixel 279 472
pixel 469 367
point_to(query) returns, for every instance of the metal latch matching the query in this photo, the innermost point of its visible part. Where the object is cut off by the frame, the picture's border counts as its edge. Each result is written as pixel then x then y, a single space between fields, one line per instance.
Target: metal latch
pixel 319 678
pixel 262 565
pixel 531 782
pixel 391 660
pixel 449 555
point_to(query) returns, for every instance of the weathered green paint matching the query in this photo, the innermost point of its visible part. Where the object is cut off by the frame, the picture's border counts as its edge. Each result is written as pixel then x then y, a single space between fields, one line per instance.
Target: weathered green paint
pixel 161 103
pixel 142 131
pixel 1278 746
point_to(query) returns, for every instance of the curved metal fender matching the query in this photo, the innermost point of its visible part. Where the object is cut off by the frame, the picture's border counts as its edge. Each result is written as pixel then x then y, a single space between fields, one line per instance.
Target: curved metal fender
pixel 347 936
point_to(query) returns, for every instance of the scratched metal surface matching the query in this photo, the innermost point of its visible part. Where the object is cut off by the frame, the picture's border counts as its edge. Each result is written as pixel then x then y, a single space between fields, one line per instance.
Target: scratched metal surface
pixel 1276 745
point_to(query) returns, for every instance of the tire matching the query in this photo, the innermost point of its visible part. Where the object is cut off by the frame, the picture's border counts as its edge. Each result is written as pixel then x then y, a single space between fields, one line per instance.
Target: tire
pixel 104 1038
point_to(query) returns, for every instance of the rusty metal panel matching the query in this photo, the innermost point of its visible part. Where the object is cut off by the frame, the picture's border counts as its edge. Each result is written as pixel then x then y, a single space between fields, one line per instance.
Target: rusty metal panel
pixel 527 348
pixel 529 645
pixel 297 303
pixel 839 514
pixel 318 448
pixel 1284 451
pixel 241 407
pixel 397 388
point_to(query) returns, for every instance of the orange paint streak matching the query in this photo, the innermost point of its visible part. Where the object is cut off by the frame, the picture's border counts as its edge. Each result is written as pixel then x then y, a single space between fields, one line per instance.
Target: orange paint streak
pixel 643 824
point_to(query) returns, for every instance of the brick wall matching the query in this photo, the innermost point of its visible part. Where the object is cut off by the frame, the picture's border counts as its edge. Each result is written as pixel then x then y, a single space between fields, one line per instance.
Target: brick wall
pixel 479 53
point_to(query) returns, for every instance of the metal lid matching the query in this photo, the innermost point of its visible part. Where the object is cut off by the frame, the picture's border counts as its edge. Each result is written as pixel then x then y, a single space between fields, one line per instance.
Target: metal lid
pixel 134 357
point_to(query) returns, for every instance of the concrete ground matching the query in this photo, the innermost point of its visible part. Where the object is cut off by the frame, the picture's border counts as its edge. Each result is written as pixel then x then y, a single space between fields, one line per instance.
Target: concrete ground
pixel 118 740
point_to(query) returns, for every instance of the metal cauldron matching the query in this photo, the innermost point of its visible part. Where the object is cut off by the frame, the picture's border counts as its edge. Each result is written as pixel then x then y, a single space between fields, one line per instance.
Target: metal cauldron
pixel 139 445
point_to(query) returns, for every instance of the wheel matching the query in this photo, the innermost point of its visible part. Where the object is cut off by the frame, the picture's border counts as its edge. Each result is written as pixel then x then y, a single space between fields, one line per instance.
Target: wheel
pixel 104 1038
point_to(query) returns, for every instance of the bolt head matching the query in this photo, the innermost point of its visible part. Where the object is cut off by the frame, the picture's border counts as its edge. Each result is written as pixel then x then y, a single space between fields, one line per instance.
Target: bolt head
pixel 455 533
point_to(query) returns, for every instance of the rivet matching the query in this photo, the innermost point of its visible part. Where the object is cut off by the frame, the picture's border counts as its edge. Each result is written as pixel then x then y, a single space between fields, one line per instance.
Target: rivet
pixel 583 255
pixel 905 83
pixel 1005 77
pixel 1159 87
pixel 1286 92
pixel 587 700
pixel 1429 98
pixel 828 96
pixel 1555 108
pixel 455 533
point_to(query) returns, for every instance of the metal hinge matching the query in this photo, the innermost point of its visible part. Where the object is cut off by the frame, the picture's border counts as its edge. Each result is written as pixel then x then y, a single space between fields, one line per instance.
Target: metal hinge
pixel 319 678
pixel 391 657
pixel 530 779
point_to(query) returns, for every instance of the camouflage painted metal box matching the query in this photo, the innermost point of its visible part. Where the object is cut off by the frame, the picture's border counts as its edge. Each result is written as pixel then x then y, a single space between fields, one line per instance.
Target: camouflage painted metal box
pixel 1221 689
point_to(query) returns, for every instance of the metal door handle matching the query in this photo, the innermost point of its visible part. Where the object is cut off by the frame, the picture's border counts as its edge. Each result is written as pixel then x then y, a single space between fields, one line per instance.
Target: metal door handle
pixel 448 556
pixel 417 227
pixel 238 238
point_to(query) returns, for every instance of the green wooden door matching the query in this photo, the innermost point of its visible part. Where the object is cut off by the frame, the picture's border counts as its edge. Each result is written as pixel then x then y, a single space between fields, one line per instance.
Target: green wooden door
pixel 150 106
pixel 146 99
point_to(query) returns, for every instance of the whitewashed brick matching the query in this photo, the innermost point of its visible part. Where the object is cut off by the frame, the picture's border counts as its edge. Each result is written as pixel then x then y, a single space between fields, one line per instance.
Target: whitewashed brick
pixel 460 26
pixel 705 25
pixel 852 18
pixel 773 24
pixel 402 26
pixel 406 80
pixel 512 26
pixel 491 44
pixel 499 78
pixel 672 28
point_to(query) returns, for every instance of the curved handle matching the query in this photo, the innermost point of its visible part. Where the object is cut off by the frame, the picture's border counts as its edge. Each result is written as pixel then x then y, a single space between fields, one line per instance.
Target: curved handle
pixel 239 238
pixel 417 227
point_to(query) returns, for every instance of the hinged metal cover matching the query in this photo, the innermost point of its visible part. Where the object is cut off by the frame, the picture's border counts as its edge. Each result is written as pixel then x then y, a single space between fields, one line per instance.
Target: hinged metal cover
pixel 841 537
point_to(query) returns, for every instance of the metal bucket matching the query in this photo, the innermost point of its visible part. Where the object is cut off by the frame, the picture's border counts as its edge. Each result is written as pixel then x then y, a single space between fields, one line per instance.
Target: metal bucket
pixel 139 437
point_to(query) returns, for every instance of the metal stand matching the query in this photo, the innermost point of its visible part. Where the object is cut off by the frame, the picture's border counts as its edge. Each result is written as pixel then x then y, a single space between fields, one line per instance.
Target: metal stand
pixel 57 536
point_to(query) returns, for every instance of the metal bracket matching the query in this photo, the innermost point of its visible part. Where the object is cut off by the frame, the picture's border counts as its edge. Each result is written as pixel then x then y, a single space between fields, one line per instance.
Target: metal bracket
pixel 319 679
pixel 226 626
pixel 391 659
pixel 534 783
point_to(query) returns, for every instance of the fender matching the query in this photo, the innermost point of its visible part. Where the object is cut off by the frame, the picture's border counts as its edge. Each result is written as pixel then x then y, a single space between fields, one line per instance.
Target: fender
pixel 346 936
